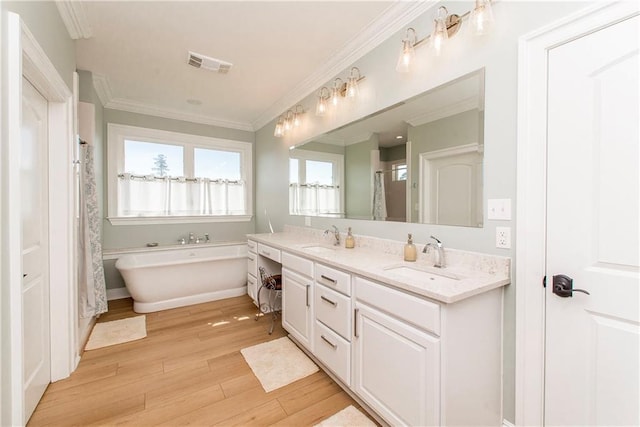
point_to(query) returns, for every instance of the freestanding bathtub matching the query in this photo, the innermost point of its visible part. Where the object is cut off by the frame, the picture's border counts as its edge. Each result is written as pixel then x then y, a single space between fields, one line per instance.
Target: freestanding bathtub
pixel 183 275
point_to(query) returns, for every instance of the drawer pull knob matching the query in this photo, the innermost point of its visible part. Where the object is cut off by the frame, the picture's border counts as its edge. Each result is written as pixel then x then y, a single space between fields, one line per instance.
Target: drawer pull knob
pixel 335 346
pixel 329 279
pixel 325 299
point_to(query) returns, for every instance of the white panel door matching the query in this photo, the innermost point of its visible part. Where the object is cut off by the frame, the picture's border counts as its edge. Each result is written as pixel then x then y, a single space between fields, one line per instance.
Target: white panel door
pixel 592 341
pixel 454 195
pixel 35 252
pixel 396 369
pixel 297 314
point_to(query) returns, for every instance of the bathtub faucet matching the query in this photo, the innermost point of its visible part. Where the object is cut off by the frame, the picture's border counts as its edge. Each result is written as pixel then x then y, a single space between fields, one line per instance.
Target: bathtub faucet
pixel 204 239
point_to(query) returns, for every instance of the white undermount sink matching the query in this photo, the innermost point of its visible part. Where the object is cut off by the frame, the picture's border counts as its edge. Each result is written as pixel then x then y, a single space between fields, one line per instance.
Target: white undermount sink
pixel 420 273
pixel 319 249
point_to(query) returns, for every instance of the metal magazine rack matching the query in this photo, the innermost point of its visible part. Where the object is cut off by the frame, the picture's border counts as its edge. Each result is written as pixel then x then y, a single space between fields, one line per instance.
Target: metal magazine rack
pixel 272 283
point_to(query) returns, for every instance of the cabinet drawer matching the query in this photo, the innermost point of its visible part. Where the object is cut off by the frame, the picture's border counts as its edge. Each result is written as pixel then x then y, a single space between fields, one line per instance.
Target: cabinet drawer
pixel 422 313
pixel 252 286
pixel 269 252
pixel 334 310
pixel 298 264
pixel 252 245
pixel 252 264
pixel 334 279
pixel 334 351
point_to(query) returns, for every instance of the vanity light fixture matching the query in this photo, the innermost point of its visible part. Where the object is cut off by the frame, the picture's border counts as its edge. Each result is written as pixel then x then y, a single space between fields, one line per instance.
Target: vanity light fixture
pixel 408 52
pixel 288 121
pixel 446 25
pixel 331 98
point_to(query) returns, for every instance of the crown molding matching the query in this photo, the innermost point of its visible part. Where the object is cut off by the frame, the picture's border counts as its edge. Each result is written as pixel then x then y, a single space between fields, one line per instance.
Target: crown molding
pixel 75 18
pixel 102 87
pixel 450 110
pixel 152 110
pixel 392 20
pixel 103 90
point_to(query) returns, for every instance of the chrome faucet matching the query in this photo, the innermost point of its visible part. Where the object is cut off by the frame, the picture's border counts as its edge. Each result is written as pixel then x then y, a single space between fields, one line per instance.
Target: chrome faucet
pixel 192 238
pixel 439 261
pixel 336 235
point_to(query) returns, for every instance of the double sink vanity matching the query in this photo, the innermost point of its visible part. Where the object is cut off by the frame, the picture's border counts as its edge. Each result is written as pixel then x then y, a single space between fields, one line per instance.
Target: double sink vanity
pixel 417 345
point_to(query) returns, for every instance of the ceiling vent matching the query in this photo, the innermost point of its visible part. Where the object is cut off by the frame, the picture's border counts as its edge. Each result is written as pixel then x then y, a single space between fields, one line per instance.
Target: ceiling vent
pixel 200 61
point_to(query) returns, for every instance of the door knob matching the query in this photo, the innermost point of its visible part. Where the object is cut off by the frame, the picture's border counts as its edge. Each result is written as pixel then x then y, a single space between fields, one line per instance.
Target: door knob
pixel 563 286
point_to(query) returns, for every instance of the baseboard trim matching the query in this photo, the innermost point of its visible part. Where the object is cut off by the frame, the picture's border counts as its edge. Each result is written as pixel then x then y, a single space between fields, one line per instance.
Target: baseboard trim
pixel 117 293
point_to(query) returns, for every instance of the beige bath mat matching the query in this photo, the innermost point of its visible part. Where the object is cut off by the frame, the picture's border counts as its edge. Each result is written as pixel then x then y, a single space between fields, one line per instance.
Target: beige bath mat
pixel 278 363
pixel 349 416
pixel 117 332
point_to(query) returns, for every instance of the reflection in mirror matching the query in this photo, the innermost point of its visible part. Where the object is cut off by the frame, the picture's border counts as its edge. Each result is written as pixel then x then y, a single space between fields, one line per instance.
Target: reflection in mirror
pixel 417 161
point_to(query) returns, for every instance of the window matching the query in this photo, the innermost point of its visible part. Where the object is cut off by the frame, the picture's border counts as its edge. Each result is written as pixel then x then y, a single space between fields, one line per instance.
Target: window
pixel 399 171
pixel 157 176
pixel 315 183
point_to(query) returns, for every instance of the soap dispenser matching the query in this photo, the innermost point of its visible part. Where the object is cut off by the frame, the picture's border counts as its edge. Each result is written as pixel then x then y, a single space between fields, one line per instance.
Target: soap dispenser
pixel 349 242
pixel 410 250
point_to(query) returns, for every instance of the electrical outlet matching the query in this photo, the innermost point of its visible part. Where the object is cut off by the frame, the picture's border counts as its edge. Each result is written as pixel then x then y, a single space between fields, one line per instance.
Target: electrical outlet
pixel 503 237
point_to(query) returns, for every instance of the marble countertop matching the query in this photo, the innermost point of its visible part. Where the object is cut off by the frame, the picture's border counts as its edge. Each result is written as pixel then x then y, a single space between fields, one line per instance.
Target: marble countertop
pixel 466 273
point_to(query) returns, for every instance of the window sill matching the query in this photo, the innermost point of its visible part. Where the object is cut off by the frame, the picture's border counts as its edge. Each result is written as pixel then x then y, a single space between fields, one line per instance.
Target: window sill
pixel 155 220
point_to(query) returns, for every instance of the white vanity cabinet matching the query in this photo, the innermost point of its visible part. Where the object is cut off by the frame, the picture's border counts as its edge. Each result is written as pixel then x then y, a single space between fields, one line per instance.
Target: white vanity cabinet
pixel 396 364
pixel 411 357
pixel 418 362
pixel 297 298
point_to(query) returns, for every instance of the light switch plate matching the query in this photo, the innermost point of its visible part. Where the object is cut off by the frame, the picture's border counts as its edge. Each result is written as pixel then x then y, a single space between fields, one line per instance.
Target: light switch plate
pixel 499 209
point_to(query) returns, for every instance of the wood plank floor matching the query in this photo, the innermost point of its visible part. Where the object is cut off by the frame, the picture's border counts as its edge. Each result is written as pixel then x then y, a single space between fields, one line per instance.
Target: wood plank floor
pixel 188 370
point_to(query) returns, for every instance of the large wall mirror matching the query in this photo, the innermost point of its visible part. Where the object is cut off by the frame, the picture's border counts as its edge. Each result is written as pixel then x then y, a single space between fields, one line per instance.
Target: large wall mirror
pixel 417 161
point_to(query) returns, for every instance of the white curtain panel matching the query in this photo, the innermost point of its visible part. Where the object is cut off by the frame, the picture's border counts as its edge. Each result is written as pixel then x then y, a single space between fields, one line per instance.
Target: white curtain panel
pixel 313 199
pixel 150 196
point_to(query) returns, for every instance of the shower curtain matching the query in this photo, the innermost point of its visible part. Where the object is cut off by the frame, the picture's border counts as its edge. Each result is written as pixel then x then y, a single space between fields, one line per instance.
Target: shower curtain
pixel 92 291
pixel 379 202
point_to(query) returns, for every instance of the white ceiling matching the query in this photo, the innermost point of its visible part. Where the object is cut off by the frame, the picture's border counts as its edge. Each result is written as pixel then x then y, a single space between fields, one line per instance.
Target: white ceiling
pixel 281 51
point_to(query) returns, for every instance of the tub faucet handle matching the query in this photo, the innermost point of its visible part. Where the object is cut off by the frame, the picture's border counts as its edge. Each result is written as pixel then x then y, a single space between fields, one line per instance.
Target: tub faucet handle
pixel 192 238
pixel 206 237
pixel 182 241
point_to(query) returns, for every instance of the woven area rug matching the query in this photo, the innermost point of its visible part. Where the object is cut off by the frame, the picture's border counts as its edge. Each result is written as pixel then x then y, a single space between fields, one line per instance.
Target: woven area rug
pixel 349 416
pixel 117 332
pixel 278 363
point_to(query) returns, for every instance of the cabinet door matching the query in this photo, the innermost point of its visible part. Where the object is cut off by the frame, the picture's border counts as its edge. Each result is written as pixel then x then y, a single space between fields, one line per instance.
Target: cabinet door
pixel 396 368
pixel 297 306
